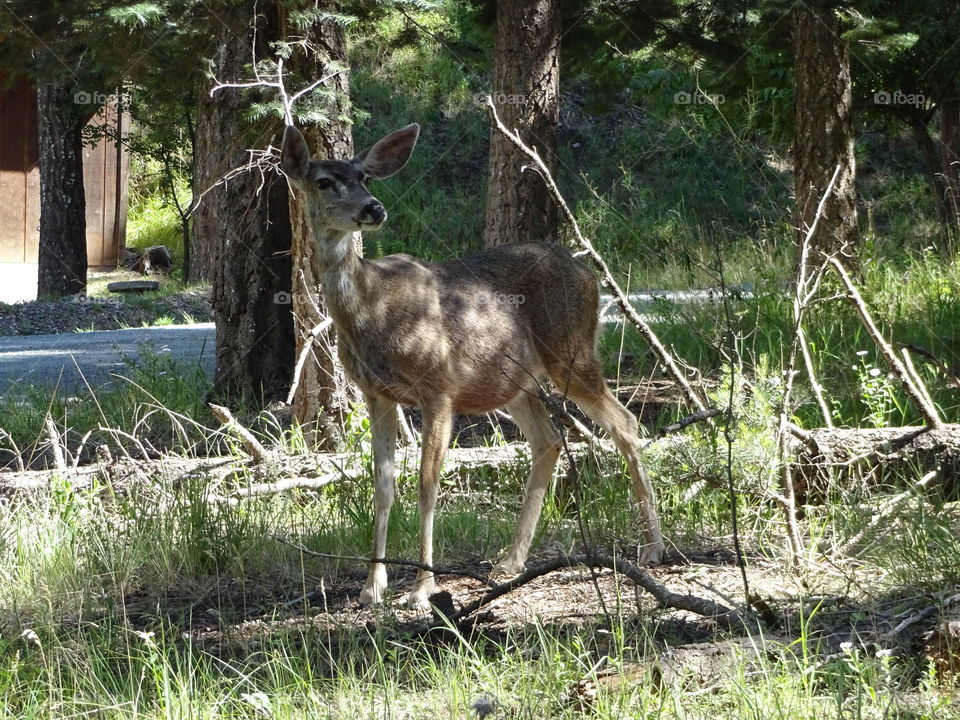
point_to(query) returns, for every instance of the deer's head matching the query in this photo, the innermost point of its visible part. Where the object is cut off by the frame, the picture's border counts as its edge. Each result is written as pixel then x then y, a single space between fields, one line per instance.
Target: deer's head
pixel 335 191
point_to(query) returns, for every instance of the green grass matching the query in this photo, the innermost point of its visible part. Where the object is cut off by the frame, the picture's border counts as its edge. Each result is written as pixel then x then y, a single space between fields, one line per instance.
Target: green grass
pixel 143 600
pixel 134 605
pixel 160 400
pixel 914 297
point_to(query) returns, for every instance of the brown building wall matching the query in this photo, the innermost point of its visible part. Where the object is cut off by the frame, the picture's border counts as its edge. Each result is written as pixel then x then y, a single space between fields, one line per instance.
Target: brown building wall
pixel 105 173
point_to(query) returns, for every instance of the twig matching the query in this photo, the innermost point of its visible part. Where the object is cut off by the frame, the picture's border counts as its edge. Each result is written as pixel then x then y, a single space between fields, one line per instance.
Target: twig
pixel 406 427
pixel 665 597
pixel 257 451
pixel 928 411
pixel 729 419
pixel 17 457
pixel 952 376
pixel 812 375
pixel 915 376
pixel 54 438
pixel 388 561
pixel 275 487
pixel 83 442
pixel 304 351
pixel 606 277
pixel 115 432
pixel 805 291
pixel 890 508
pixel 686 422
pixel 288 100
pixel 913 619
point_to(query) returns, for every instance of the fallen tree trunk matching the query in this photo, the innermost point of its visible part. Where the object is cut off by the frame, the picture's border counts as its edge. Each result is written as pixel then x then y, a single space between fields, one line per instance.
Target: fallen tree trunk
pixel 835 455
pixel 877 456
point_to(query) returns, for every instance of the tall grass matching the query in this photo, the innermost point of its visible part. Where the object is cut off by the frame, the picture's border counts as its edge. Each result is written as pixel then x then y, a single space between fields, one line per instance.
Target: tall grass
pixel 138 604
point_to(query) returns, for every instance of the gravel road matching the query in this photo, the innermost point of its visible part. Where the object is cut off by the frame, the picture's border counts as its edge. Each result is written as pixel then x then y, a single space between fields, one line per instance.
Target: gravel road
pixel 40 360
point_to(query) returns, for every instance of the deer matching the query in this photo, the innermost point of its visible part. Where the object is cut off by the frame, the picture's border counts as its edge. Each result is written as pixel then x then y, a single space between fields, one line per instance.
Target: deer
pixel 465 336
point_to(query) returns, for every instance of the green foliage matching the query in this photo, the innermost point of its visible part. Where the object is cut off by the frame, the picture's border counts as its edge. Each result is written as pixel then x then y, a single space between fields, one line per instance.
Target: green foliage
pixel 160 401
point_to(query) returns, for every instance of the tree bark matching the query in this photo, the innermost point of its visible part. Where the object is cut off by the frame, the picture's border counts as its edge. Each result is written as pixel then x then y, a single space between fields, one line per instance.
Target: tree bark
pixel 823 133
pixel 244 225
pixel 322 398
pixel 932 164
pixel 63 225
pixel 526 80
pixel 838 457
pixel 950 157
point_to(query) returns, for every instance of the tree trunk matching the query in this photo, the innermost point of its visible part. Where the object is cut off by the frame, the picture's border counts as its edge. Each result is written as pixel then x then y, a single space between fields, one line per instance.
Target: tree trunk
pixel 823 133
pixel 244 225
pixel 843 456
pixel 932 164
pixel 526 80
pixel 950 158
pixel 63 225
pixel 210 162
pixel 322 396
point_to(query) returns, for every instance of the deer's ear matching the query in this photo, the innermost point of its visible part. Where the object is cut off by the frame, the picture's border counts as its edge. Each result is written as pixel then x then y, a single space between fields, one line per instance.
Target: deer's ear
pixel 389 153
pixel 294 154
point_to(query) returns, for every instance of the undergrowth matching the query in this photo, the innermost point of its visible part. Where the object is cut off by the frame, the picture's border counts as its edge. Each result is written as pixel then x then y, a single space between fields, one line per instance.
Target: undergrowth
pixel 146 600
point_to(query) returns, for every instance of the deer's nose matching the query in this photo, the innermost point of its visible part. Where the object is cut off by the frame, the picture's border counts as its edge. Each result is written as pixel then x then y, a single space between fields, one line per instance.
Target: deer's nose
pixel 375 212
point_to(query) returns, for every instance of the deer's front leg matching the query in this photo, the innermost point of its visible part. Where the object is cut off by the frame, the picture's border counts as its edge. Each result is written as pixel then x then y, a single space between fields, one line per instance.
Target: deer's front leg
pixel 383 428
pixel 437 419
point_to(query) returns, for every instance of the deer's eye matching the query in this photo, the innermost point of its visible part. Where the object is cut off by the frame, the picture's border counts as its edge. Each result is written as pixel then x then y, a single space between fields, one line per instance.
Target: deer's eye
pixel 324 183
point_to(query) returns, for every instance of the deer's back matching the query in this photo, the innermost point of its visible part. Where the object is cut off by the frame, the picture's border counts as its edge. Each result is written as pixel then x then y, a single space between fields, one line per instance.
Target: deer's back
pixel 482 325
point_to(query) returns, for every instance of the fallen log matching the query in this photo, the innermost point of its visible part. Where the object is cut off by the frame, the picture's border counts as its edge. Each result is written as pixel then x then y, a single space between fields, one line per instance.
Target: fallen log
pixel 820 455
pixel 877 456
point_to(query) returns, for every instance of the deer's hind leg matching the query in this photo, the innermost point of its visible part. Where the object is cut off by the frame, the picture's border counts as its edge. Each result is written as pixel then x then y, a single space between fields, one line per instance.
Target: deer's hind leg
pixel 586 386
pixel 532 418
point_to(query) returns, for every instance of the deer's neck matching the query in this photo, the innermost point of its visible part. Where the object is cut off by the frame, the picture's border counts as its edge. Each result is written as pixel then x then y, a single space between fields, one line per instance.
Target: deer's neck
pixel 342 279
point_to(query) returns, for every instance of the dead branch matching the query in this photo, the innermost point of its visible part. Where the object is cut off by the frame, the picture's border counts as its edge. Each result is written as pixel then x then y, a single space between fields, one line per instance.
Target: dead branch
pixel 953 377
pixel 256 451
pixel 304 352
pixel 120 433
pixel 804 292
pixel 854 546
pixel 684 423
pixel 401 562
pixel 918 396
pixel 665 598
pixel 53 436
pixel 606 277
pixel 277 486
pixel 17 457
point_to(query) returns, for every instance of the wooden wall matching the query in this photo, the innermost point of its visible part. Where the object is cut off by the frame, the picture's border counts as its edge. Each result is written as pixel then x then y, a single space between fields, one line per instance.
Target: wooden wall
pixel 105 173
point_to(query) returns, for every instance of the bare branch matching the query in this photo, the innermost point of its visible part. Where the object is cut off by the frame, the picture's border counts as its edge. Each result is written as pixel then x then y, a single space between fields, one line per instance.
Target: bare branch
pixel 53 436
pixel 803 294
pixel 257 451
pixel 918 395
pixel 606 277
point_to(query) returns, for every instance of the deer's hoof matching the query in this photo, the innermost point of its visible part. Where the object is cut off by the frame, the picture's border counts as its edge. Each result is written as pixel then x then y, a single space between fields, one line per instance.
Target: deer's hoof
pixel 653 553
pixel 507 568
pixel 419 601
pixel 372 595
